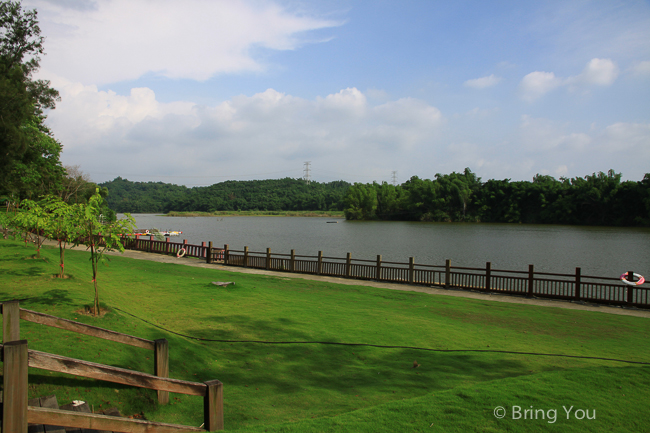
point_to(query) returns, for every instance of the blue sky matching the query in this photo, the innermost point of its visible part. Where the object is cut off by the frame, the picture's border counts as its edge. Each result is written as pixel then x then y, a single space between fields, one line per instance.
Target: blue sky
pixel 202 91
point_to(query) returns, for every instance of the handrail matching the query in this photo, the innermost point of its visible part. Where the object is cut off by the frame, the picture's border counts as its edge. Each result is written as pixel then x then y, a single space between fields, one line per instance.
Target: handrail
pixel 82 328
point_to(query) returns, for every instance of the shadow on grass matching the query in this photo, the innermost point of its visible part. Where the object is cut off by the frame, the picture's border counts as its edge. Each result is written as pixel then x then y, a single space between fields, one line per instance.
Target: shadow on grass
pixel 54 297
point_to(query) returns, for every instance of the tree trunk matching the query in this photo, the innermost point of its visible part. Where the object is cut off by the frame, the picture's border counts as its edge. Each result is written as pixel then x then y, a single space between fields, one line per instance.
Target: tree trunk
pixel 93 259
pixel 61 254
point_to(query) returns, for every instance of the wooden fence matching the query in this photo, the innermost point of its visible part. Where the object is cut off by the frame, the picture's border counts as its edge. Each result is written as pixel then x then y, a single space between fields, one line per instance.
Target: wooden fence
pixel 17 357
pixel 572 287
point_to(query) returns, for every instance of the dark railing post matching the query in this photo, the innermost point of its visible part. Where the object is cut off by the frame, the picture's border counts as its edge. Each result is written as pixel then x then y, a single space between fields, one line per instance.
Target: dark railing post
pixel 488 276
pixel 14 375
pixel 630 289
pixel 447 273
pixel 245 256
pixel 531 279
pixel 319 266
pixel 268 259
pixel 166 245
pixel 208 256
pixel 150 243
pixel 213 406
pixel 161 366
pixel 10 321
pixel 577 293
pixel 411 270
pixel 378 270
pixel 225 254
pixel 348 264
pixel 292 262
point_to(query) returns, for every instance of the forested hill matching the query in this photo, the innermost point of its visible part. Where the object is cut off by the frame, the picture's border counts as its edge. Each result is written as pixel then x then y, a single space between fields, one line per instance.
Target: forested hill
pixel 273 194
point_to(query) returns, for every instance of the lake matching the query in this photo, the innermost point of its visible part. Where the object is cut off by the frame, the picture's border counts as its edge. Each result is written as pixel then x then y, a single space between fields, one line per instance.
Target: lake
pixel 600 251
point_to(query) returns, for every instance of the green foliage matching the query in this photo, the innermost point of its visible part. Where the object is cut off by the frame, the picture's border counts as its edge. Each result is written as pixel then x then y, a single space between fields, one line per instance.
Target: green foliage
pixel 254 195
pixel 99 236
pixel 597 199
pixel 30 164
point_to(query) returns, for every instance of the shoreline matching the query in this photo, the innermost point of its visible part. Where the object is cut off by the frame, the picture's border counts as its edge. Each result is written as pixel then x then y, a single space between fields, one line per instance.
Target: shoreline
pixel 308 214
pixel 190 261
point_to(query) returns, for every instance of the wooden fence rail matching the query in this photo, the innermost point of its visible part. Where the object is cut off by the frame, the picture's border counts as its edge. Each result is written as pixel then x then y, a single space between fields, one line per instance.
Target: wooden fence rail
pixel 574 287
pixel 17 358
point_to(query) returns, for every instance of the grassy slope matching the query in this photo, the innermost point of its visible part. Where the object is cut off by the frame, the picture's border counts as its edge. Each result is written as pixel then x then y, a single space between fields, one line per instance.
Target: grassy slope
pixel 343 387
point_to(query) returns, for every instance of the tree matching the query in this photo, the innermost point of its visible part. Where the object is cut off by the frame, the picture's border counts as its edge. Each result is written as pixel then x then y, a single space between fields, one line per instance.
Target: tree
pixel 29 162
pixel 31 218
pixel 100 237
pixel 61 225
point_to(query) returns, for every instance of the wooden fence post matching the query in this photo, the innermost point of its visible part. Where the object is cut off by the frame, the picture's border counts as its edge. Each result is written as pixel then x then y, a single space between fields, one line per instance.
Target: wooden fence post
pixel 225 254
pixel 319 266
pixel 166 245
pixel 10 321
pixel 447 273
pixel 161 366
pixel 531 279
pixel 292 262
pixel 630 289
pixel 488 276
pixel 150 243
pixel 245 256
pixel 208 256
pixel 348 264
pixel 411 270
pixel 577 291
pixel 213 406
pixel 14 409
pixel 268 259
pixel 378 270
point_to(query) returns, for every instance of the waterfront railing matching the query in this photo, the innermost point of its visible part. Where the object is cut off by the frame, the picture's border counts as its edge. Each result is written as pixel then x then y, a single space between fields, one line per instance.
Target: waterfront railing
pixel 531 283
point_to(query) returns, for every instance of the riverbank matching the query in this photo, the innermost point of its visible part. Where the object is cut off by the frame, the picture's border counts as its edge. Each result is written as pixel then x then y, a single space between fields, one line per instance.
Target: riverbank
pixel 199 263
pixel 308 355
pixel 317 214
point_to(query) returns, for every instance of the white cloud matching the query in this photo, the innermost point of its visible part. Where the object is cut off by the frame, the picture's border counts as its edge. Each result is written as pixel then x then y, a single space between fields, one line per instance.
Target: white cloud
pixel 120 40
pixel 111 135
pixel 483 82
pixel 598 72
pixel 641 68
pixel 537 84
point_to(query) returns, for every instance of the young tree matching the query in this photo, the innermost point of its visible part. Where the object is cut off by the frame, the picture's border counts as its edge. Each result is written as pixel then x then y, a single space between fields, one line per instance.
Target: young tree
pixel 31 218
pixel 61 224
pixel 100 237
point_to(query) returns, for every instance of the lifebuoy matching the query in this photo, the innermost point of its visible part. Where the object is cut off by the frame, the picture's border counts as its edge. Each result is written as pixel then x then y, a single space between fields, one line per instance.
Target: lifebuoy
pixel 180 253
pixel 640 281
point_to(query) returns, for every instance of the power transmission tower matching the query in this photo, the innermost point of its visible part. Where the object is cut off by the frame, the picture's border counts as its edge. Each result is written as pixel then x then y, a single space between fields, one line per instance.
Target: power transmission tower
pixel 307 176
pixel 394 178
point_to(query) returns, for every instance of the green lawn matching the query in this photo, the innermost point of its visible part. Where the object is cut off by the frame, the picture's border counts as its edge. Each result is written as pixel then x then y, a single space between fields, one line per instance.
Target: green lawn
pixel 325 387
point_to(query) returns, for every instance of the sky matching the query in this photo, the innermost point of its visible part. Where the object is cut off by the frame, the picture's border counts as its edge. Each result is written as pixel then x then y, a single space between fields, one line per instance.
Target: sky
pixel 203 91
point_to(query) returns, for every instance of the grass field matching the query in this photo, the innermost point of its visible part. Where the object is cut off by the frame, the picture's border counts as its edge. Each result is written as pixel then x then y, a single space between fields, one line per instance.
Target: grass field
pixel 311 387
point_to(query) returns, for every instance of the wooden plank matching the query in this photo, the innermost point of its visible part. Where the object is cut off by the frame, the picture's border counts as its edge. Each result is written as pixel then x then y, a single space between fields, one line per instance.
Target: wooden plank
pixel 82 328
pixel 51 403
pixel 213 406
pixel 10 321
pixel 14 369
pixel 161 366
pixel 48 361
pixel 103 422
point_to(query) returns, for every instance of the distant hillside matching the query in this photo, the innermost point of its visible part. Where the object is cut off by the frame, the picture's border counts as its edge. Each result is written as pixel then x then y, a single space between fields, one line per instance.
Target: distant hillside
pixel 272 194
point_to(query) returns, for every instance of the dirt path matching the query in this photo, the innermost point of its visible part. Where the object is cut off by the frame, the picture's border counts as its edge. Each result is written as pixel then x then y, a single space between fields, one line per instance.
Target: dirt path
pixel 188 261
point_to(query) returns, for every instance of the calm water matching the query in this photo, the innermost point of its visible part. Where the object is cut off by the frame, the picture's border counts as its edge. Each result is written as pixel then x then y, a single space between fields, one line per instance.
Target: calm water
pixel 601 251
